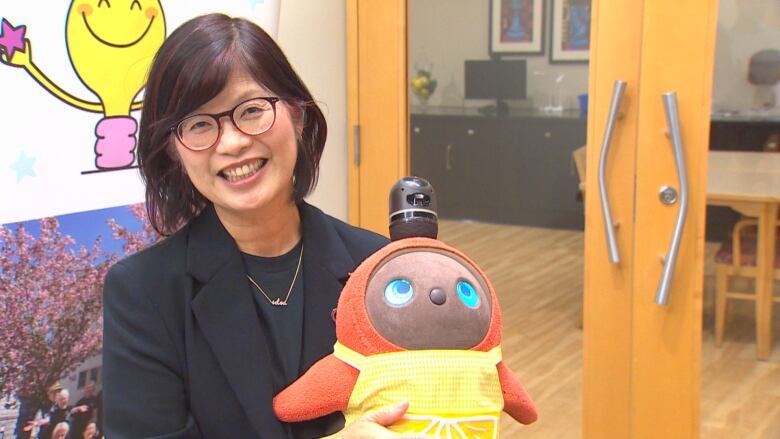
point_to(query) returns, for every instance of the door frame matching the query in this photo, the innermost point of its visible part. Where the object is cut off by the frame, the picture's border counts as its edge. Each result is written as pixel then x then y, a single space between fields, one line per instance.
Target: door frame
pixel 377 147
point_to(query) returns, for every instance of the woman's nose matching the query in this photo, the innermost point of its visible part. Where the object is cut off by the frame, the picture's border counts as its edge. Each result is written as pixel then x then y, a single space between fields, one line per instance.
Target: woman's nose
pixel 232 140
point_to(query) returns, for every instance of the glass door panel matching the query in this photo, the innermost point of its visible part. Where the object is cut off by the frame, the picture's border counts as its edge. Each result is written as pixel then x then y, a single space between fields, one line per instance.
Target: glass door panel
pixel 497 100
pixel 740 361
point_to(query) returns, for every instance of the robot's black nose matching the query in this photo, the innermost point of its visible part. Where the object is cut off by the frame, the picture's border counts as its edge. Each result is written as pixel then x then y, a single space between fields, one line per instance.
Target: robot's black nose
pixel 438 296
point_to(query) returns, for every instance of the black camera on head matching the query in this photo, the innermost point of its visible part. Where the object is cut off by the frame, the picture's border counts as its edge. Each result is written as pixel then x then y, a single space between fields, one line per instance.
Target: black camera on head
pixel 413 209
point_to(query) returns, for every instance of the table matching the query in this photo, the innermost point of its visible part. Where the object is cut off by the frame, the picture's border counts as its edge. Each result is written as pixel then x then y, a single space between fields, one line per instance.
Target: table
pixel 749 182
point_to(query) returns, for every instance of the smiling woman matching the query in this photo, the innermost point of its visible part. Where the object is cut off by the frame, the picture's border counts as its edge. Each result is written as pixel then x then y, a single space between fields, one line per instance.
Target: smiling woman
pixel 204 329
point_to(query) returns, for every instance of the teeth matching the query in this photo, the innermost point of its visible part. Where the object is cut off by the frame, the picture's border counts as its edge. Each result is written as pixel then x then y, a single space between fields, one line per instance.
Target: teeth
pixel 242 172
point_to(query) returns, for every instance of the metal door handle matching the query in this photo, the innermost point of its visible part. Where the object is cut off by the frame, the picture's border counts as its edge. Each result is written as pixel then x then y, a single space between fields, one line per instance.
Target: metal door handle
pixel 673 121
pixel 448 158
pixel 617 96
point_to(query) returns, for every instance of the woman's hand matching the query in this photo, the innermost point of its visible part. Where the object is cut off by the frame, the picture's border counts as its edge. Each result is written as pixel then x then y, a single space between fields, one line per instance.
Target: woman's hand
pixel 79 409
pixel 32 424
pixel 373 425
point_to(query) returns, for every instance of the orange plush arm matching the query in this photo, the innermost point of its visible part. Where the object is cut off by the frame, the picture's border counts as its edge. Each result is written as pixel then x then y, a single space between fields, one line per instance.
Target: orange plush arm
pixel 324 388
pixel 517 402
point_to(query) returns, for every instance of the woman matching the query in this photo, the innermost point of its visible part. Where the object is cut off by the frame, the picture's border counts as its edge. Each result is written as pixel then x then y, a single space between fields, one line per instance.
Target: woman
pixel 60 431
pixel 90 432
pixel 204 328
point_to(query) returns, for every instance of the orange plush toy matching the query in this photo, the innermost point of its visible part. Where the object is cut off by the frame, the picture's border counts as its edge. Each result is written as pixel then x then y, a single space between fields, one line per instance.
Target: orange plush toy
pixel 417 321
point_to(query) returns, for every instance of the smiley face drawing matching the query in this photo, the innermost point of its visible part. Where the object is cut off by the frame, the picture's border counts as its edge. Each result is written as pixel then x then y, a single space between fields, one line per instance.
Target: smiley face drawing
pixel 111 45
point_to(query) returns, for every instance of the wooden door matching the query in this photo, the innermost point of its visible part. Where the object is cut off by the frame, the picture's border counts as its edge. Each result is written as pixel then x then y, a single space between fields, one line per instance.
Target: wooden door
pixel 641 359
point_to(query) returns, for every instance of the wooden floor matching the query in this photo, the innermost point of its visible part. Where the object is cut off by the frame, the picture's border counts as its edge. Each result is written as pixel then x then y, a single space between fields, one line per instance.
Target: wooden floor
pixel 537 274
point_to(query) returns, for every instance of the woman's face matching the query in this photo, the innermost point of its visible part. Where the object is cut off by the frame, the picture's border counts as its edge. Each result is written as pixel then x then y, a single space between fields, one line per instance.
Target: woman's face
pixel 62 400
pixel 243 174
pixel 90 431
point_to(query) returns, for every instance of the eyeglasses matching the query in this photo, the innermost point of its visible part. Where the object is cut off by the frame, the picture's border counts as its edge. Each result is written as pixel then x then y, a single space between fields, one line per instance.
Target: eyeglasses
pixel 251 117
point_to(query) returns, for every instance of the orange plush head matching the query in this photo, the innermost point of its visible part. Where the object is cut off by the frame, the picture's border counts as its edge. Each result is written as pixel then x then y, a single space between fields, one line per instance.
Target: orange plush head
pixel 418 293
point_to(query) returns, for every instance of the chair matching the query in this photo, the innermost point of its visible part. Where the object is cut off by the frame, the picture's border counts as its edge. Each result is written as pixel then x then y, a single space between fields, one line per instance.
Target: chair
pixel 579 158
pixel 738 258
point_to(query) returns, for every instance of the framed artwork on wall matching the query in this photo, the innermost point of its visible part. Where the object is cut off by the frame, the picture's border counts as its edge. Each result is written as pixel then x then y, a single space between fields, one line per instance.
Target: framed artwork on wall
pixel 516 27
pixel 570 40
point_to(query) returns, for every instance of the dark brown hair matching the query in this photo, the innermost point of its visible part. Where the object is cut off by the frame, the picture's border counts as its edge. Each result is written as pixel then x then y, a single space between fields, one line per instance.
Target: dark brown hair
pixel 190 69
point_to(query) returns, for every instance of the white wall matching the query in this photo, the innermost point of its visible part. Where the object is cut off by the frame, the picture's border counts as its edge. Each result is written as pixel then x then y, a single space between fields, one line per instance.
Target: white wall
pixel 313 35
pixel 744 27
pixel 444 33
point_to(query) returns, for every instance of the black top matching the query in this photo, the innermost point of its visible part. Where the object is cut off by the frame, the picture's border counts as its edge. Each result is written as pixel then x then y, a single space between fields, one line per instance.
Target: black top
pixel 283 324
pixel 79 420
pixel 184 353
pixel 56 415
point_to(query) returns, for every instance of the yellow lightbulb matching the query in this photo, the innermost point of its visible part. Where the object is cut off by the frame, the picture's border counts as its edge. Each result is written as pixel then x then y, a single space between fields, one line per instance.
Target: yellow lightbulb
pixel 111 44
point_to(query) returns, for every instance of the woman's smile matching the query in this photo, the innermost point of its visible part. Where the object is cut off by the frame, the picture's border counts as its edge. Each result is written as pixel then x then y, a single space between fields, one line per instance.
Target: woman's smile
pixel 241 172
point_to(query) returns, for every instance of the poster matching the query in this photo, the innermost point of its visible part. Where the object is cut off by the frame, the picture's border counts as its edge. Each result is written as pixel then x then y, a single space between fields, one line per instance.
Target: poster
pixel 71 78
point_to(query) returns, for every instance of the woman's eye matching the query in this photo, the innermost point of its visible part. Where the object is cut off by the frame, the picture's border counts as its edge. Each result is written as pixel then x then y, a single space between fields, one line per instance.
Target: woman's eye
pixel 251 112
pixel 200 126
pixel 467 294
pixel 398 292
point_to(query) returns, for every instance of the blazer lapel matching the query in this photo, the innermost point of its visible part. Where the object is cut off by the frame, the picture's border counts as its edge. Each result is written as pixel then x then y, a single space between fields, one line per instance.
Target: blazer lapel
pixel 326 265
pixel 225 312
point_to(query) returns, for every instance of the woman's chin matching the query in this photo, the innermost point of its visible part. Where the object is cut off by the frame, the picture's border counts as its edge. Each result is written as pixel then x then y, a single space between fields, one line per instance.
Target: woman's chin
pixel 257 203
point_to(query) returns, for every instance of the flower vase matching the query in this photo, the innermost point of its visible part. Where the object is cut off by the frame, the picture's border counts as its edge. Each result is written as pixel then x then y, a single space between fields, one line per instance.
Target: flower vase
pixel 423 102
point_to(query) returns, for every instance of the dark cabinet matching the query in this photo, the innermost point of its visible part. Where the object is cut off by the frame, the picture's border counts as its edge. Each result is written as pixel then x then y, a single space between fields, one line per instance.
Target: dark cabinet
pixel 518 170
pixel 741 135
pixel 537 173
pixel 514 170
pixel 431 158
pixel 456 156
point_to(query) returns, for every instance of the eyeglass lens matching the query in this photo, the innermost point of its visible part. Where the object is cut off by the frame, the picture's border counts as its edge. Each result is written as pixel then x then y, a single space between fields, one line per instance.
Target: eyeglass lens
pixel 202 131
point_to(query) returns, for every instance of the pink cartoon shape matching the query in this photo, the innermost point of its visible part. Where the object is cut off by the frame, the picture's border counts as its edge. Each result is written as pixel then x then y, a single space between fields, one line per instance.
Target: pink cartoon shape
pixel 115 145
pixel 12 38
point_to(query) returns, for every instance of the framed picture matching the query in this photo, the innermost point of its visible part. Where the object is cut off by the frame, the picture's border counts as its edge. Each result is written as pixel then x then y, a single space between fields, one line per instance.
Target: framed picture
pixel 570 41
pixel 516 27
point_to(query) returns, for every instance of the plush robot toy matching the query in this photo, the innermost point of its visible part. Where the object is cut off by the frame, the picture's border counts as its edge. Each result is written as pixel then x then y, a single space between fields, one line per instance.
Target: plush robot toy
pixel 417 321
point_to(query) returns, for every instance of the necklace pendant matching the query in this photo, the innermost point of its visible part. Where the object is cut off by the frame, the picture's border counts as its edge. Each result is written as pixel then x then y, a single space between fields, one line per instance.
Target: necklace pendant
pixel 279 302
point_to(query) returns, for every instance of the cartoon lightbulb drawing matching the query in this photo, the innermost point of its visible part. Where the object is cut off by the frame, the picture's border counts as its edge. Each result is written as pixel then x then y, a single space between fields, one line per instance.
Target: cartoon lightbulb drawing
pixel 111 44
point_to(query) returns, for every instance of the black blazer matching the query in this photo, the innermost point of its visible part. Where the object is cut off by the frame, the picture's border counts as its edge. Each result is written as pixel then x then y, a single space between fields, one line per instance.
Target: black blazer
pixel 184 352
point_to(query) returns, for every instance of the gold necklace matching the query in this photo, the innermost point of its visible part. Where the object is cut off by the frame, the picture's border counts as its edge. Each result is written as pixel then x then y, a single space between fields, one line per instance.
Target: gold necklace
pixel 278 301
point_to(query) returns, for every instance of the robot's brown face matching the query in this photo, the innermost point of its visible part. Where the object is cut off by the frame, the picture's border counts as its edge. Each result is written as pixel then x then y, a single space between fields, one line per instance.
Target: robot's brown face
pixel 428 299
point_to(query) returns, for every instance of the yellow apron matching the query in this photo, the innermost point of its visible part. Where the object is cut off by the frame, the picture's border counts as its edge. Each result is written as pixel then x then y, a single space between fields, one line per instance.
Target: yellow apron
pixel 451 393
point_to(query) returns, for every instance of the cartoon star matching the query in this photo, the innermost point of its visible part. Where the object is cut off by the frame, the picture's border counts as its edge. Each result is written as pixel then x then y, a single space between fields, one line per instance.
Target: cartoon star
pixel 23 166
pixel 12 38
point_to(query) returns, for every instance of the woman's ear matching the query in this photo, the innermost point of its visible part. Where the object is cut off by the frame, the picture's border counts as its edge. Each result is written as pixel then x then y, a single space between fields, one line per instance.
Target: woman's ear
pixel 298 117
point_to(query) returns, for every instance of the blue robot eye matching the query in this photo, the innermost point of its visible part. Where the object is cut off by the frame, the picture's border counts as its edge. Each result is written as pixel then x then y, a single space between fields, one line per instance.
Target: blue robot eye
pixel 398 292
pixel 467 294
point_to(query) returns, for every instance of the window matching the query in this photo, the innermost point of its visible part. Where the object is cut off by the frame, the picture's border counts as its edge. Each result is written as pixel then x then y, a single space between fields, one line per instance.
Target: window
pixel 93 374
